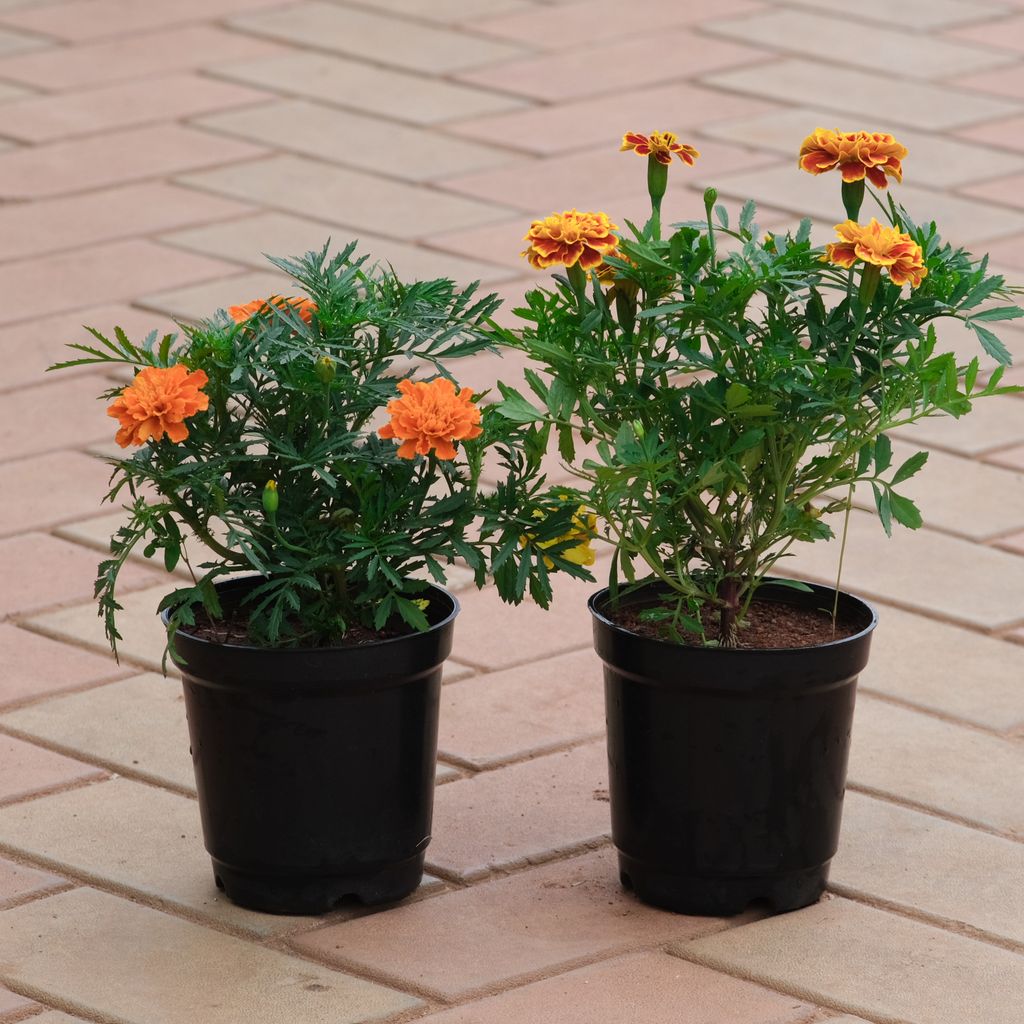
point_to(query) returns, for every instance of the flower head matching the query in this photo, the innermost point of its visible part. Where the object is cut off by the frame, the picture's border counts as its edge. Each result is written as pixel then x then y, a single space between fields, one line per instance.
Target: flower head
pixel 880 245
pixel 661 145
pixel 430 415
pixel 304 307
pixel 157 402
pixel 581 532
pixel 858 155
pixel 570 238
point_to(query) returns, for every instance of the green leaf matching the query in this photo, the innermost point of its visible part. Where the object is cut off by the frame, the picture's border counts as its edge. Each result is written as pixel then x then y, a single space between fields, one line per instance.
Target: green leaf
pixel 999 313
pixel 905 511
pixel 883 454
pixel 884 508
pixel 909 468
pixel 747 215
pixel 992 345
pixel 518 409
pixel 736 395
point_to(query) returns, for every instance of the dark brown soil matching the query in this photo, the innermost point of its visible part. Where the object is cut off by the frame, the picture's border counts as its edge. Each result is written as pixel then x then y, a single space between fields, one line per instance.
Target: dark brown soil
pixel 768 625
pixel 234 629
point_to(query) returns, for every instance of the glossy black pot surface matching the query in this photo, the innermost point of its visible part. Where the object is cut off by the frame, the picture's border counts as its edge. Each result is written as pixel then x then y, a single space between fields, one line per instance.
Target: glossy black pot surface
pixel 728 767
pixel 315 766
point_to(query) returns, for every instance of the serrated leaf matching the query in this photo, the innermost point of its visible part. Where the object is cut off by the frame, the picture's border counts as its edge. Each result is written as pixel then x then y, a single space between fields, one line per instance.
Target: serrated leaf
pixel 910 467
pixel 883 453
pixel 905 511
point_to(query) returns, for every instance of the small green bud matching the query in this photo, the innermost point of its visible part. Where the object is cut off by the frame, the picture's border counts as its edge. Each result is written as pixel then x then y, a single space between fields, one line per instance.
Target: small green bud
pixel 710 198
pixel 270 497
pixel 325 369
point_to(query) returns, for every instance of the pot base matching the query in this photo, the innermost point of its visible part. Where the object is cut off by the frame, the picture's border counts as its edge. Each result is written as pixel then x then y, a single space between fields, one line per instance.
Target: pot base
pixel 709 896
pixel 317 894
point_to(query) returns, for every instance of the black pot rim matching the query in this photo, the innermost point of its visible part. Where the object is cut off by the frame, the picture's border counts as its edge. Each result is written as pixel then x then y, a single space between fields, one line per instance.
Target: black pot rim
pixel 600 597
pixel 237 582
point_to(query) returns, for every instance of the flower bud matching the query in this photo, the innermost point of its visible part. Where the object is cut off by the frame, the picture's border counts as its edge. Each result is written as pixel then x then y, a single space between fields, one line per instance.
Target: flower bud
pixel 325 369
pixel 710 198
pixel 270 497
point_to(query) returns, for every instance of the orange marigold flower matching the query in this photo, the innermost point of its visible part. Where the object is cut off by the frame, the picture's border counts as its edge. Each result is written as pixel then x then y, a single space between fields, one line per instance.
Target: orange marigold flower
pixel 431 415
pixel 570 238
pixel 661 145
pixel 304 307
pixel 881 245
pixel 858 155
pixel 157 402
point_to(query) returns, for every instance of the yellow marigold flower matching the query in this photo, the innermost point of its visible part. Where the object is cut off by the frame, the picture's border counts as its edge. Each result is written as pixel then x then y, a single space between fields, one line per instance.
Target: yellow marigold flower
pixel 570 238
pixel 429 416
pixel 880 245
pixel 157 402
pixel 584 528
pixel 876 156
pixel 661 145
pixel 304 307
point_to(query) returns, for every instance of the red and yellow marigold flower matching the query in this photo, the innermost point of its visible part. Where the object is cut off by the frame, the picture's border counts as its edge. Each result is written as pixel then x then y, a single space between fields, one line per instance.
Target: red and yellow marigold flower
pixel 304 307
pixel 429 416
pixel 569 239
pixel 661 145
pixel 876 156
pixel 881 246
pixel 158 402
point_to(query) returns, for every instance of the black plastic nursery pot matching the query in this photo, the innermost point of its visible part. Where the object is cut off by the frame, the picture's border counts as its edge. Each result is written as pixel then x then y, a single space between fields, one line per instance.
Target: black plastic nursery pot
pixel 315 766
pixel 728 766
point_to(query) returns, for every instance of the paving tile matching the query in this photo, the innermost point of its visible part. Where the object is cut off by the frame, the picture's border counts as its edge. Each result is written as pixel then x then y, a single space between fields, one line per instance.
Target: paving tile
pixel 122 105
pixel 644 987
pixel 992 423
pixel 1001 190
pixel 922 104
pixel 51 489
pixel 922 863
pixel 501 931
pixel 524 711
pixel 115 272
pixel 923 570
pixel 1001 33
pixel 596 21
pixel 1009 252
pixel 19 883
pixel 1012 458
pixel 960 495
pixel 1006 82
pixel 924 662
pixel 376 37
pixel 136 726
pixel 26 770
pixel 327 133
pixel 589 180
pixel 491 632
pixel 448 11
pixel 387 92
pixel 935 161
pixel 33 229
pixel 171 971
pixel 8 93
pixel 246 239
pixel 136 56
pixel 114 158
pixel 680 107
pixel 627 64
pixel 56 1017
pixel 135 837
pixel 359 200
pixel 39 570
pixel 28 424
pixel 201 301
pixel 21 42
pixel 962 220
pixel 912 14
pixel 872 47
pixel 873 963
pixel 96 533
pixel 35 666
pixel 13 1006
pixel 904 754
pixel 78 22
pixel 29 347
pixel 525 813
pixel 144 637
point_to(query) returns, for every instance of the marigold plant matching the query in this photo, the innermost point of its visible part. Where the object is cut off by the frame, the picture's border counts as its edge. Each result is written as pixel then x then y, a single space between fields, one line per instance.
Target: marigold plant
pixel 289 438
pixel 731 389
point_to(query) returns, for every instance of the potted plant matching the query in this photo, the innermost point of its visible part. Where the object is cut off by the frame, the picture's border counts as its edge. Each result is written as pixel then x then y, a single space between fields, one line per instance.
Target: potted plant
pixel 731 389
pixel 317 502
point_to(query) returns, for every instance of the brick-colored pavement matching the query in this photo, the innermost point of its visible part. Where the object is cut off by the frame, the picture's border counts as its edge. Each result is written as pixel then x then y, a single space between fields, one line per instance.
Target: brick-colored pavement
pixel 149 151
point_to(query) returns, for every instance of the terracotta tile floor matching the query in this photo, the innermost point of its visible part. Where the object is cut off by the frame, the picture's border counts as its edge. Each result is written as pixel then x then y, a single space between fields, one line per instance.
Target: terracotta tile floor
pixel 138 182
